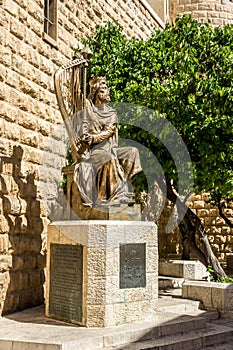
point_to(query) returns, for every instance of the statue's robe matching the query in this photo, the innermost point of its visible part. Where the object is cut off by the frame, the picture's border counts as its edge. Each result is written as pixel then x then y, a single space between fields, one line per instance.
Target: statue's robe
pixel 103 173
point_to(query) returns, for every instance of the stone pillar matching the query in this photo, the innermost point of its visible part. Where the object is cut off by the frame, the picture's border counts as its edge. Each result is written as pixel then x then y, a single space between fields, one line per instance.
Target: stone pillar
pixel 102 273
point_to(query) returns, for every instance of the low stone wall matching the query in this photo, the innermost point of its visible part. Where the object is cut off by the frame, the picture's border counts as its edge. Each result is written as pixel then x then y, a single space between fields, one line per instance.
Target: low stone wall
pixel 213 295
pixel 189 270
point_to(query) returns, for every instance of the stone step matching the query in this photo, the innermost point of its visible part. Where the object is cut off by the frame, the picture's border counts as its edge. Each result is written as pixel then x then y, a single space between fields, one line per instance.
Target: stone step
pixel 193 340
pixel 190 310
pixel 166 282
pixel 171 301
pixel 174 292
pixel 169 325
pixel 226 345
pixel 178 305
pixel 30 330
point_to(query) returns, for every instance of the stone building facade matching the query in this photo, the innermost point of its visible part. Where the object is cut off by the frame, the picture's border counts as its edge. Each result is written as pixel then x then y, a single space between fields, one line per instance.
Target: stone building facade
pixel 36 38
pixel 218 12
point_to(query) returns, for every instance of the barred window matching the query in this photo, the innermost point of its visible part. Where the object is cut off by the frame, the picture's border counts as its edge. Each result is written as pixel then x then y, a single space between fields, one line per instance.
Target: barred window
pixel 50 18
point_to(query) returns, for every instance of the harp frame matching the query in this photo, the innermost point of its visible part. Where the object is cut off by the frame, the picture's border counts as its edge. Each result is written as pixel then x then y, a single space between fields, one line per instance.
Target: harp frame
pixel 70 90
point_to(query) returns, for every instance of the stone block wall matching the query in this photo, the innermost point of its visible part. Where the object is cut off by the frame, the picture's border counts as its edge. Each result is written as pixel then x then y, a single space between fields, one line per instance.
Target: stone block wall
pixel 32 136
pixel 219 233
pixel 219 12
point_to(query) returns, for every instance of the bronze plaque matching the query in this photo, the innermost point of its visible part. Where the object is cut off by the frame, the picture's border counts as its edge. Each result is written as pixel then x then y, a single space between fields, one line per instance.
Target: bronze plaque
pixel 66 280
pixel 132 265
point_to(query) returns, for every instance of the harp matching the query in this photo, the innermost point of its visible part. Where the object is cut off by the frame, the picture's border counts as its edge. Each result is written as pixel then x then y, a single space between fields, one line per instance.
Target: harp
pixel 70 90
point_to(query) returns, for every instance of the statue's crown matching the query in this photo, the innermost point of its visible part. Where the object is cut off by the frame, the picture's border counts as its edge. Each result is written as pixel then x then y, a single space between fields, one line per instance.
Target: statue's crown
pixel 95 84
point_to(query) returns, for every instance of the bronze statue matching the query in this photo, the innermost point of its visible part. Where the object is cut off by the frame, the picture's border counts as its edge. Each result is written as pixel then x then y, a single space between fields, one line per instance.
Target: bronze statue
pixel 103 174
pixel 102 170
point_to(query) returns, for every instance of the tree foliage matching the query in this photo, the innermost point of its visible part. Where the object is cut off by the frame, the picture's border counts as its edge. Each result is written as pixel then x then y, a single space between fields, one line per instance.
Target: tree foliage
pixel 184 72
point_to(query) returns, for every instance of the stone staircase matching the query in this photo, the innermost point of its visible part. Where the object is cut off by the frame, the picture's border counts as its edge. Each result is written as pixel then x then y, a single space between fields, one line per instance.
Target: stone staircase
pixel 187 326
pixel 204 339
pixel 181 325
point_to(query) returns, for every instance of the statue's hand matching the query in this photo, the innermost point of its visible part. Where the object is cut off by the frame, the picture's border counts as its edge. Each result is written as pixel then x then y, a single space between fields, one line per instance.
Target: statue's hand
pixel 88 138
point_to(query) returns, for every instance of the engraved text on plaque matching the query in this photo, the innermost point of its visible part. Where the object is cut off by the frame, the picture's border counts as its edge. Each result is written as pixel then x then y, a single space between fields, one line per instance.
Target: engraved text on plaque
pixel 66 279
pixel 132 265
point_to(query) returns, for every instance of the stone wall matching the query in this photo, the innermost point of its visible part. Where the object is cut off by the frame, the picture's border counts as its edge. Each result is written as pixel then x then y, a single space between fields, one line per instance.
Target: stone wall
pixel 219 12
pixel 219 233
pixel 32 137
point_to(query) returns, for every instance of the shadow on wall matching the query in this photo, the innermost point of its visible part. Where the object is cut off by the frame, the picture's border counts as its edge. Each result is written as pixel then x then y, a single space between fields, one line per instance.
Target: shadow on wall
pixel 21 259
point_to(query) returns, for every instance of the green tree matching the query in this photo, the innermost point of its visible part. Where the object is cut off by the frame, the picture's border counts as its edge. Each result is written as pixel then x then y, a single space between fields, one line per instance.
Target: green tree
pixel 185 74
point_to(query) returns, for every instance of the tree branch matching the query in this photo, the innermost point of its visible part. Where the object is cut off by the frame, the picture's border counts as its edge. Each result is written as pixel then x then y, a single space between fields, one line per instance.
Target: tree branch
pixel 190 224
pixel 223 216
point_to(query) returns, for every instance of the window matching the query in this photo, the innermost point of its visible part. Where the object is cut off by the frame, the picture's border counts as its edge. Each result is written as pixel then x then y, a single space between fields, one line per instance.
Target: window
pixel 50 19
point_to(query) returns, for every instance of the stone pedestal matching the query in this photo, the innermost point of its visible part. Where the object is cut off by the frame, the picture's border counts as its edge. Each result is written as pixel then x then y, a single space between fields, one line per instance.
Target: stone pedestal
pixel 102 273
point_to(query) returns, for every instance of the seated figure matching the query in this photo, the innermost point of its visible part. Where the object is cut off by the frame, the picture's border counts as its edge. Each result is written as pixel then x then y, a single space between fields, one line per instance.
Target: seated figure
pixel 103 174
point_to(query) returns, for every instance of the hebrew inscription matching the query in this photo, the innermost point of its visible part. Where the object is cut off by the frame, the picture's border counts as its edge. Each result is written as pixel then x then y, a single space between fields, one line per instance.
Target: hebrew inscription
pixel 132 265
pixel 66 280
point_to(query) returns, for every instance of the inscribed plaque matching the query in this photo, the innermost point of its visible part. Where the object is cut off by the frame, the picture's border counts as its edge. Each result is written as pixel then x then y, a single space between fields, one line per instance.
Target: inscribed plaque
pixel 132 265
pixel 66 280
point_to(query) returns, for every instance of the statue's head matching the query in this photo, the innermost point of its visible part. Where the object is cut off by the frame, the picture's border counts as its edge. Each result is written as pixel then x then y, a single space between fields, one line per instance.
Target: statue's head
pixel 99 92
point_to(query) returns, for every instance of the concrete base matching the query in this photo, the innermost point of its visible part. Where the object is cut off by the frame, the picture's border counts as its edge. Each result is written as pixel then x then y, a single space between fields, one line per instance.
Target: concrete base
pixel 112 290
pixel 187 269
